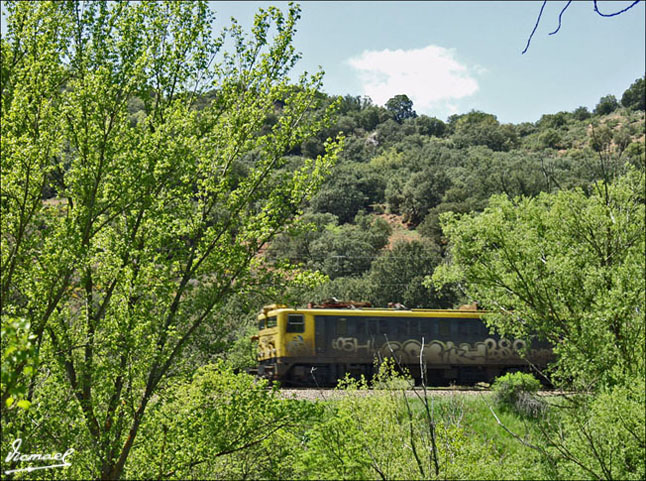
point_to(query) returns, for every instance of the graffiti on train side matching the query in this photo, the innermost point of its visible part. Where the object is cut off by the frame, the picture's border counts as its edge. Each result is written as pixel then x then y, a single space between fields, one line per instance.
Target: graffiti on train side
pixel 351 344
pixel 297 346
pixel 448 352
pixel 440 352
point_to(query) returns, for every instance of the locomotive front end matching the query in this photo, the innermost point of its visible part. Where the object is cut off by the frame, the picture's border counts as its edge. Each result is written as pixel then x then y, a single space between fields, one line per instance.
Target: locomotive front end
pixel 285 336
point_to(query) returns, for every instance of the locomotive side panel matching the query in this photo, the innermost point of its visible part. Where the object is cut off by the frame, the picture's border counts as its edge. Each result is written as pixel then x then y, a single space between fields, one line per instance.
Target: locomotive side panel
pixel 441 341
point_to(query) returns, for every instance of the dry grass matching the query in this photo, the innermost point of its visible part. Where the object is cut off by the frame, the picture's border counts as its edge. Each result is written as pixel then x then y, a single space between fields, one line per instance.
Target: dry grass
pixel 402 232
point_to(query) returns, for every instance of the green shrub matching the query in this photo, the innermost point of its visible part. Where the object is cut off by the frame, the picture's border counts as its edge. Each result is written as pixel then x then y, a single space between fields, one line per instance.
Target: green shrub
pixel 206 427
pixel 382 434
pixel 603 438
pixel 389 377
pixel 516 390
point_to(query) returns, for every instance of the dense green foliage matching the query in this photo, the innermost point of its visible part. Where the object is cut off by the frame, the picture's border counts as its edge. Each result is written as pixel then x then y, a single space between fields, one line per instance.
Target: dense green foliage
pixel 516 390
pixel 217 413
pixel 603 438
pixel 567 267
pixel 123 233
pixel 635 96
pixel 409 172
pixel 401 108
pixel 606 105
pixel 244 430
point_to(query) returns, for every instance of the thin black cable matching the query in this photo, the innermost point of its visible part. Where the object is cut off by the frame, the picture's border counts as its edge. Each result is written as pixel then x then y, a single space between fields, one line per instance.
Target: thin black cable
pixel 596 9
pixel 560 15
pixel 535 26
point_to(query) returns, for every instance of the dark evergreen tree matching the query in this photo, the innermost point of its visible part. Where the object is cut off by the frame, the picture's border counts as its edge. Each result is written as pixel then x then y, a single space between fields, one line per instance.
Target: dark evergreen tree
pixel 635 96
pixel 606 105
pixel 401 107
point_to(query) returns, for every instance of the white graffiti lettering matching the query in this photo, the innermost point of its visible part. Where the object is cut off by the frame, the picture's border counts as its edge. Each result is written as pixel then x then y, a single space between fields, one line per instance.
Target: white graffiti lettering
pixel 448 352
pixel 297 345
pixel 350 344
pixel 442 352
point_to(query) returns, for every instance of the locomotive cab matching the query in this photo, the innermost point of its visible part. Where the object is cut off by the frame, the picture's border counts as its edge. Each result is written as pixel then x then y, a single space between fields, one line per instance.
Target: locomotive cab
pixel 282 334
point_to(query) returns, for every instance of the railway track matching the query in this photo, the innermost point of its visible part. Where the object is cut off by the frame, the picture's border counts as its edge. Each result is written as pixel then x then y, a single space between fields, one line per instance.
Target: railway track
pixel 326 394
pixel 323 394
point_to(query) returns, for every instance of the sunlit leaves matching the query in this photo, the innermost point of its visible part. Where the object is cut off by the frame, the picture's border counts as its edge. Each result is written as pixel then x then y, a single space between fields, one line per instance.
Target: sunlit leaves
pixel 565 266
pixel 123 233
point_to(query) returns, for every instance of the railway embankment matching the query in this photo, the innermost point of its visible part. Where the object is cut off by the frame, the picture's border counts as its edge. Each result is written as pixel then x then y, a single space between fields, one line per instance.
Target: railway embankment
pixel 327 394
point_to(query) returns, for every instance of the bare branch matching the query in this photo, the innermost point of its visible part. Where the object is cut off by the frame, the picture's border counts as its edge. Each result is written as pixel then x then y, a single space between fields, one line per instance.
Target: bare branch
pixel 561 15
pixel 596 9
pixel 535 27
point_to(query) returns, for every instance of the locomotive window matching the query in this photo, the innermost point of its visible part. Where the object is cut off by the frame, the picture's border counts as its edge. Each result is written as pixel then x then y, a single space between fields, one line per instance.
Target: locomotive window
pixel 400 327
pixel 271 322
pixel 413 327
pixel 427 328
pixel 463 327
pixel 477 327
pixel 295 323
pixel 261 323
pixel 341 326
pixel 372 326
pixel 445 327
pixel 383 326
pixel 474 327
pixel 354 327
pixel 360 327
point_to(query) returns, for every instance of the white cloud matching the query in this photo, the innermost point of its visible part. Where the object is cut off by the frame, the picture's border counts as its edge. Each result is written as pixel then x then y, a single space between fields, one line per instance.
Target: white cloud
pixel 431 77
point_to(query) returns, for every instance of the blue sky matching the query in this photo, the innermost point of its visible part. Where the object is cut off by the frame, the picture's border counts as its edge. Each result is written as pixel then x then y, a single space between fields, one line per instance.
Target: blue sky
pixel 451 57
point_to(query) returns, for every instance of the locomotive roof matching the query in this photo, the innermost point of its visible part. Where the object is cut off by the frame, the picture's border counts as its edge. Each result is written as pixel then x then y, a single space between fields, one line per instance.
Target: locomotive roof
pixel 390 312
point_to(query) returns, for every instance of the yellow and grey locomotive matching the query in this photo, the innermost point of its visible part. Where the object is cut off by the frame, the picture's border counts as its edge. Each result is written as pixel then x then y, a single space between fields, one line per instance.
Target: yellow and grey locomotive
pixel 319 345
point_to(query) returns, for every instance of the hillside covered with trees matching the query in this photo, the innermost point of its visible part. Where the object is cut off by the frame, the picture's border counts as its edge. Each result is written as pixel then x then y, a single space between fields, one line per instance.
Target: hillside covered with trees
pixel 399 172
